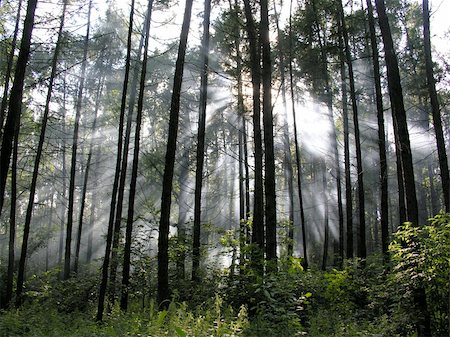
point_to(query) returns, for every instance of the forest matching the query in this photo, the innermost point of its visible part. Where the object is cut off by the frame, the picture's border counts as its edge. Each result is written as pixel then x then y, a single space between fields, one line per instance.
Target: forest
pixel 224 168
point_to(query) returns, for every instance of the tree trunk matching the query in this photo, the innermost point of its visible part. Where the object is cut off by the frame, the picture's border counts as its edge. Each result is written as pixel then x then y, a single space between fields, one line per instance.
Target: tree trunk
pixel 326 234
pixel 297 147
pixel 269 181
pixel 30 207
pixel 64 184
pixel 258 199
pixel 437 122
pixel 166 198
pixel 400 123
pixel 384 207
pixel 399 114
pixel 15 99
pixel 183 208
pixel 12 223
pixel 9 66
pixel 86 177
pixel 201 142
pixel 134 170
pixel 123 175
pixel 347 170
pixel 109 235
pixel 92 216
pixel 361 242
pixel 288 176
pixel 79 103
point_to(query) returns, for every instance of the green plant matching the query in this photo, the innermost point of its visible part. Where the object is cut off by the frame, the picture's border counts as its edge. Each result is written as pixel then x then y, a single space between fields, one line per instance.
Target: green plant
pixel 421 259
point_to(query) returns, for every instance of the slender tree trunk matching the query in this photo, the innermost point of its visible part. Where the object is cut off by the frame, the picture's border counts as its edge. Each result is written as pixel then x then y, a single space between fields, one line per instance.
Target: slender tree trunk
pixel 399 114
pixel 288 176
pixel 297 147
pixel 384 207
pixel 437 122
pixel 347 170
pixel 329 102
pixel 134 170
pixel 166 198
pixel 49 228
pixel 64 184
pixel 201 142
pixel 15 99
pixel 183 207
pixel 86 178
pixel 361 242
pixel 258 200
pixel 400 123
pixel 9 68
pixel 269 181
pixel 123 176
pixel 12 223
pixel 92 216
pixel 79 103
pixel 326 217
pixel 243 202
pixel 30 207
pixel 109 235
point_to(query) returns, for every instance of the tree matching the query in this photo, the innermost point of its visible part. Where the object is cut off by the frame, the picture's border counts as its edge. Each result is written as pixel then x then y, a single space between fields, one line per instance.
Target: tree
pixel 437 122
pixel 166 198
pixel 399 114
pixel 400 123
pixel 134 171
pixel 79 103
pixel 86 179
pixel 381 134
pixel 123 171
pixel 12 223
pixel 15 99
pixel 109 235
pixel 201 141
pixel 258 199
pixel 296 143
pixel 361 242
pixel 269 155
pixel 9 67
pixel 30 207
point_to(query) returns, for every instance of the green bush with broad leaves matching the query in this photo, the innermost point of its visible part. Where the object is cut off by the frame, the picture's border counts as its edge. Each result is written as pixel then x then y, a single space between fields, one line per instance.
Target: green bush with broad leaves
pixel 421 259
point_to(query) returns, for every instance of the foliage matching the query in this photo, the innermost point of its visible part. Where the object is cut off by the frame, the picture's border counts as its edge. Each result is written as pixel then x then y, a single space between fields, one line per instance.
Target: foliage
pixel 214 319
pixel 421 258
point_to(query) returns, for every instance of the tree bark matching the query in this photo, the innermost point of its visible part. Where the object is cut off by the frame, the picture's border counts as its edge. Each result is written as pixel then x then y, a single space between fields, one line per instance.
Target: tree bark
pixel 64 184
pixel 399 114
pixel 258 199
pixel 297 147
pixel 15 99
pixel 134 170
pixel 86 178
pixel 123 174
pixel 384 207
pixel 109 235
pixel 326 235
pixel 166 198
pixel 361 242
pixel 37 160
pixel 400 123
pixel 269 181
pixel 79 103
pixel 12 224
pixel 437 122
pixel 201 142
pixel 9 68
pixel 288 176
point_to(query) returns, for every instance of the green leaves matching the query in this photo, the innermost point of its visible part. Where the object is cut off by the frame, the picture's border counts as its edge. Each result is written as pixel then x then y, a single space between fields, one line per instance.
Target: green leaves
pixel 421 258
